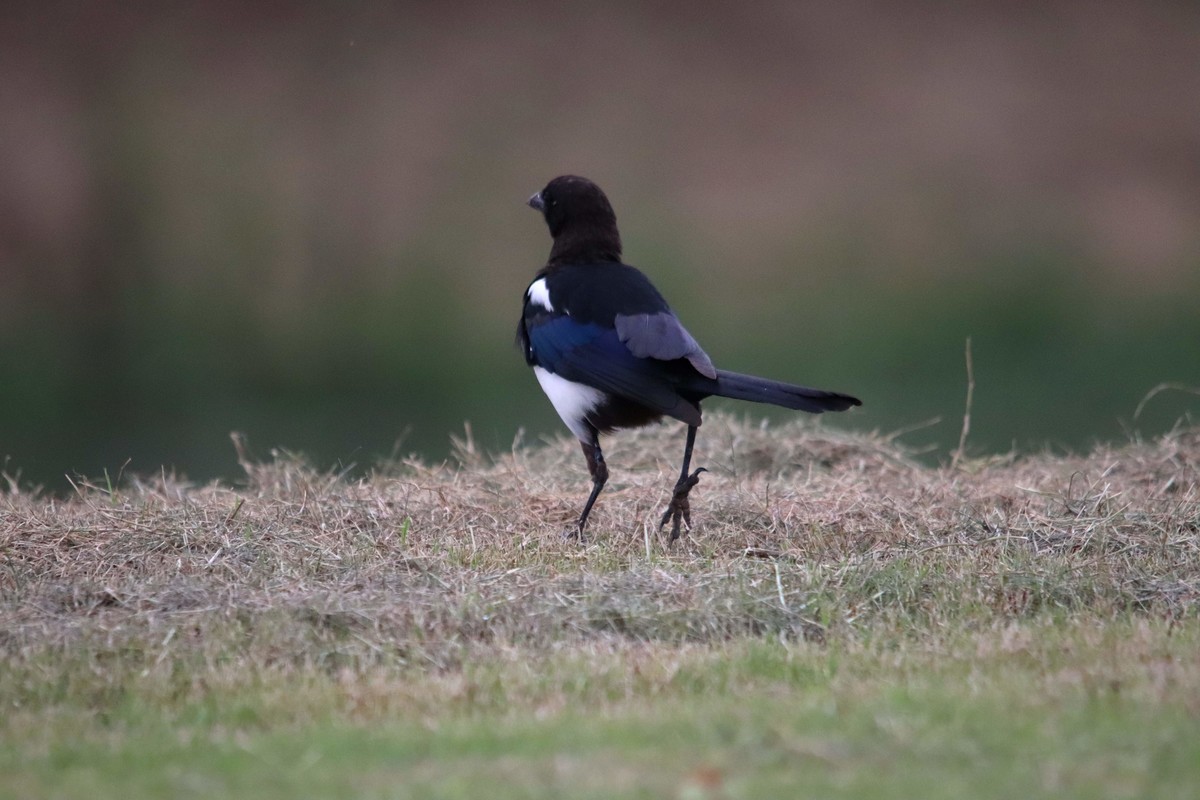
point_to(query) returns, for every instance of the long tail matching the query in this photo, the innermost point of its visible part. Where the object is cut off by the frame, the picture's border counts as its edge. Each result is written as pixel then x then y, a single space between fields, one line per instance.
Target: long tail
pixel 762 390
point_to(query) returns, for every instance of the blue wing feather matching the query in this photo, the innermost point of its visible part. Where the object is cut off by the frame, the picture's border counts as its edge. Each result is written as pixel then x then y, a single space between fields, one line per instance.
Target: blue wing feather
pixel 595 355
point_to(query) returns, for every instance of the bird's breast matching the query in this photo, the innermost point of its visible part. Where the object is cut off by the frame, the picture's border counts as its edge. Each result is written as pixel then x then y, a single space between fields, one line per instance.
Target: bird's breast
pixel 573 401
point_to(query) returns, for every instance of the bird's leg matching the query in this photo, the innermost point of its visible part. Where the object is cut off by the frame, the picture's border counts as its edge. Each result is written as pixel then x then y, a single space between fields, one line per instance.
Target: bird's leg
pixel 678 509
pixel 599 470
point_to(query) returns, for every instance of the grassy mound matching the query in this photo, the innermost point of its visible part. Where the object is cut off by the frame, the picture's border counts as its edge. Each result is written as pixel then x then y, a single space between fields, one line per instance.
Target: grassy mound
pixel 1012 627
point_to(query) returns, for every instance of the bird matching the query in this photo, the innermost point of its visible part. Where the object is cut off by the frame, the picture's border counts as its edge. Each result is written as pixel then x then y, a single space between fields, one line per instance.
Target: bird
pixel 610 353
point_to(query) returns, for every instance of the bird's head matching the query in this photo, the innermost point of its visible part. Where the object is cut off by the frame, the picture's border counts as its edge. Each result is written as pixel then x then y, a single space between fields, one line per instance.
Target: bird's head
pixel 581 221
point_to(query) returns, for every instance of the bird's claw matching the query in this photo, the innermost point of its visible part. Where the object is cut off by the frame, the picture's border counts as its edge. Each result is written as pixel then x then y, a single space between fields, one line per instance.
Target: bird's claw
pixel 679 509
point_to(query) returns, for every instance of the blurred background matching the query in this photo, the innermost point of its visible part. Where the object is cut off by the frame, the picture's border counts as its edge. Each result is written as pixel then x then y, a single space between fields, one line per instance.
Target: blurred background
pixel 306 222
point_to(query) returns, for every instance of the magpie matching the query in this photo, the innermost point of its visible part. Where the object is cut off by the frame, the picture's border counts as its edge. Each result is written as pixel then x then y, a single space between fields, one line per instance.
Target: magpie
pixel 609 352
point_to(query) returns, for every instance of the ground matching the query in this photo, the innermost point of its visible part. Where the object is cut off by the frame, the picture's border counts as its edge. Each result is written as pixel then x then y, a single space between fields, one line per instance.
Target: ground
pixel 842 621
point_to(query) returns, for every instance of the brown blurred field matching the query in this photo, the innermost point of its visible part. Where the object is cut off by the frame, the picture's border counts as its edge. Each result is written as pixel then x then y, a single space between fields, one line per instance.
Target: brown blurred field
pixel 307 223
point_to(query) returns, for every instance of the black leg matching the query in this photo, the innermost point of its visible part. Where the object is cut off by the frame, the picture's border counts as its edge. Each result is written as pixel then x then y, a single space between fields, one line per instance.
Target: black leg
pixel 679 509
pixel 599 470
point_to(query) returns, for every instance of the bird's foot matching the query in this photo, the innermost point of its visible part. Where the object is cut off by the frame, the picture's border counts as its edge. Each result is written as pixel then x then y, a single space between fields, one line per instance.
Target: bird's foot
pixel 679 510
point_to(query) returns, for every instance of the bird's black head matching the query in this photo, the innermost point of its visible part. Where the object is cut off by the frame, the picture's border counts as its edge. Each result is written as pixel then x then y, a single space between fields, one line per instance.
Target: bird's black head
pixel 580 219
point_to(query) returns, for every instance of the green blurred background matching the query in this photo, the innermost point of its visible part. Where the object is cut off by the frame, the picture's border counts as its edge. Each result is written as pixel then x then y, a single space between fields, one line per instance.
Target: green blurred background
pixel 306 222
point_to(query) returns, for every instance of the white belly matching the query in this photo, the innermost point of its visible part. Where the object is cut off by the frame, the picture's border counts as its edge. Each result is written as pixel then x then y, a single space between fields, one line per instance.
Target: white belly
pixel 573 401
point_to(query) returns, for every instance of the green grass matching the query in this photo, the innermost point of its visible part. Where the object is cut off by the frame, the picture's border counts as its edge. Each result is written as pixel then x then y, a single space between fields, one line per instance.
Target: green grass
pixel 1062 708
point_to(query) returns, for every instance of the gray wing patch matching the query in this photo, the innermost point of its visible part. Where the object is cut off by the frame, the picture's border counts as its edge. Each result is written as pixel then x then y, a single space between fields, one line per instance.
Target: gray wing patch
pixel 663 337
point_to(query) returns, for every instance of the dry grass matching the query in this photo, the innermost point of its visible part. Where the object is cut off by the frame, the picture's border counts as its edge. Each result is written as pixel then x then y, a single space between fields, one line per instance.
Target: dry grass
pixel 801 531
pixel 1019 626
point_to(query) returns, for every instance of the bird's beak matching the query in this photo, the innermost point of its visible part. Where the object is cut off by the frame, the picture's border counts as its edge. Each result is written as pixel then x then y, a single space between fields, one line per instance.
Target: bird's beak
pixel 535 202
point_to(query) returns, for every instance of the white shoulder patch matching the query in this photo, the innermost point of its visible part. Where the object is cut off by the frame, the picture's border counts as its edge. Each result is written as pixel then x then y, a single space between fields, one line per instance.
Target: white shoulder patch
pixel 539 294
